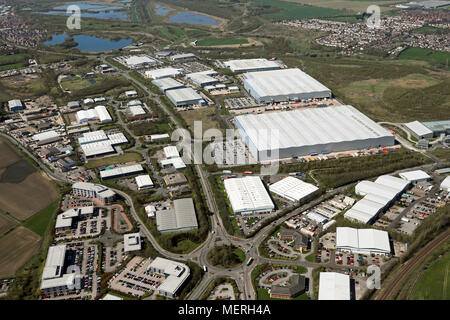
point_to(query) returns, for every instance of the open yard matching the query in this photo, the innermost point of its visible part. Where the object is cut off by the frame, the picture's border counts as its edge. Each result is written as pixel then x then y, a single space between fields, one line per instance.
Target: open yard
pixel 22 87
pixel 6 224
pixel 205 115
pixel 16 248
pixel 434 283
pixel 123 158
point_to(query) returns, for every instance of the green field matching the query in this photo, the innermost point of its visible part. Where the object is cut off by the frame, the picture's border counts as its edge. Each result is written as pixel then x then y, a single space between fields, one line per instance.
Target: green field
pixel 220 41
pixel 42 220
pixel 13 61
pixel 437 57
pixel 123 158
pixel 430 30
pixel 290 10
pixel 434 283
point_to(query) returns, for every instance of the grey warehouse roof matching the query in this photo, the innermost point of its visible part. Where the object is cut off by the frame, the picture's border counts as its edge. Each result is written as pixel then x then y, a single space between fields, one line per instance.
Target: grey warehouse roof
pixel 184 94
pixel 310 127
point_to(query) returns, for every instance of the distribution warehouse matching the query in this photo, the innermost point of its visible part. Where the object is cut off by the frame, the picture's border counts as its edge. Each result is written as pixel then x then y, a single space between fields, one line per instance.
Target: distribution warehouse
pixel 165 84
pixel 378 196
pixel 334 286
pixel 364 241
pixel 184 96
pixel 248 195
pixel 179 218
pixel 283 85
pixel 99 143
pixel 292 188
pixel 163 73
pixel 247 65
pixel 302 132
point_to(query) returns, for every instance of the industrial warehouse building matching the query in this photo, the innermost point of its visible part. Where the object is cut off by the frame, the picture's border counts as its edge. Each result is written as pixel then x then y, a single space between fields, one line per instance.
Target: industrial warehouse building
pixel 429 129
pixel 415 176
pixel 334 286
pixel 179 218
pixel 141 61
pixel 99 113
pixel 163 73
pixel 175 274
pixel 283 85
pixel 378 196
pixel 248 195
pixel 292 189
pixel 98 143
pixel 91 190
pixel 183 57
pixel 445 185
pixel 203 78
pixel 144 182
pixel 121 171
pixel 364 241
pixel 247 65
pixel 54 280
pixel 302 132
pixel 184 97
pixel 15 105
pixel 165 84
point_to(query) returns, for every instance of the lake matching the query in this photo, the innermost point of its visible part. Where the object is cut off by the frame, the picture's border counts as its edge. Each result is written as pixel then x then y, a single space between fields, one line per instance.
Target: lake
pixel 194 18
pixel 90 43
pixel 161 10
pixel 101 11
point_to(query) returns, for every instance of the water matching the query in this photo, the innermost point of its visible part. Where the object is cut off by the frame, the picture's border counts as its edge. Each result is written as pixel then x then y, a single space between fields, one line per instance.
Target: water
pixel 104 11
pixel 194 18
pixel 161 10
pixel 90 43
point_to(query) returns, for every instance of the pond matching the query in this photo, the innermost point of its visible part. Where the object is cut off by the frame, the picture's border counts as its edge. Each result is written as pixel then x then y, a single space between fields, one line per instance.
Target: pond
pixel 90 43
pixel 161 10
pixel 194 18
pixel 98 11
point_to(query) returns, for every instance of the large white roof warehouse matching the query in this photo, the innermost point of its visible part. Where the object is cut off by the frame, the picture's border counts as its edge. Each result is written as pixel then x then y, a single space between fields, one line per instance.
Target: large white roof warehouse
pixel 163 73
pixel 184 96
pixel 179 218
pixel 246 65
pixel 283 85
pixel 334 286
pixel 365 241
pixel 248 195
pixel 292 188
pixel 302 132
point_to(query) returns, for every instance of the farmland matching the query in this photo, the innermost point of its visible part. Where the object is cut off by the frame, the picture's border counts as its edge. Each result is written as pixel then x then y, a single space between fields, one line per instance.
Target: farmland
pixel 220 41
pixel 16 248
pixel 436 57
pixel 349 5
pixel 22 195
pixel 6 224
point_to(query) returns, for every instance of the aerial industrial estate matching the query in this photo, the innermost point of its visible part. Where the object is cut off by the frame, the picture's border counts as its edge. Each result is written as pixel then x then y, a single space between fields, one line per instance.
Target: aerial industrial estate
pixel 338 164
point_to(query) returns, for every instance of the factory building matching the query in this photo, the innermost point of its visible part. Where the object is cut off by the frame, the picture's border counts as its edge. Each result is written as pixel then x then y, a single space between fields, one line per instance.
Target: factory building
pixel 91 190
pixel 121 172
pixel 99 113
pixel 203 78
pixel 144 182
pixel 248 195
pixel 378 196
pixel 283 85
pixel 292 189
pixel 15 105
pixel 334 286
pixel 362 241
pixel 136 111
pixel 303 132
pixel 177 219
pixel 165 84
pixel 98 143
pixel 136 62
pixel 163 73
pixel 183 57
pixel 429 129
pixel 445 185
pixel 249 65
pixel 175 274
pixel 184 97
pixel 415 176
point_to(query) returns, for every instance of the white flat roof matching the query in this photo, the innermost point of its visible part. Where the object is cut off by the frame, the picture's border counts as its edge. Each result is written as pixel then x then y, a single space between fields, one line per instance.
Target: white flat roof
pixel 251 64
pixel 121 171
pixel 176 162
pixel 248 194
pixel 282 82
pixel 418 128
pixel 181 216
pixel 171 152
pixel 415 175
pixel 292 188
pixel 94 136
pixel 54 262
pixel 310 127
pixel 144 181
pixel 183 94
pixel 103 114
pixel 163 73
pixel 132 242
pixel 176 273
pixel 45 135
pixel 167 84
pixel 334 286
pixel 97 148
pixel 136 110
pixel 137 60
pixel 109 296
